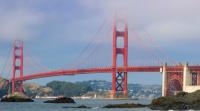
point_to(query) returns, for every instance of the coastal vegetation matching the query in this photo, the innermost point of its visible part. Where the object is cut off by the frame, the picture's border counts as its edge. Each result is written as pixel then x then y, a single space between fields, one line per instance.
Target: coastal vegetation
pixel 32 90
pixel 3 87
pixel 68 89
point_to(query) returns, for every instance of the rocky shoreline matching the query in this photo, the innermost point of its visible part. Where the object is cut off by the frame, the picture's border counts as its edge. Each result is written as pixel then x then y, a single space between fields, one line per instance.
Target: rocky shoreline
pixel 182 101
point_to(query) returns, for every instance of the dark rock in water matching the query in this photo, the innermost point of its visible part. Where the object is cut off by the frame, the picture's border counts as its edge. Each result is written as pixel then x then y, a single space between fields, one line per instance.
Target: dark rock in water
pixel 17 97
pixel 127 105
pixel 182 101
pixel 82 106
pixel 61 100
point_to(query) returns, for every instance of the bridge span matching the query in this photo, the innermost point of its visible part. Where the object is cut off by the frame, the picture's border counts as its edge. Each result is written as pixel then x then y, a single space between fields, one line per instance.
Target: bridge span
pixel 175 78
pixel 89 71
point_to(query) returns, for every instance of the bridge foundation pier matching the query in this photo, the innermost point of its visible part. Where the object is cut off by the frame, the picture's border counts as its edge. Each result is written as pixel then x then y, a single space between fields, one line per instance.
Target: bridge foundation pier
pixel 172 81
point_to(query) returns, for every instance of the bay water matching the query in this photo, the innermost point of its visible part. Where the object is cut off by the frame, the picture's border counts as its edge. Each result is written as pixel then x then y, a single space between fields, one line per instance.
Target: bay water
pixel 96 105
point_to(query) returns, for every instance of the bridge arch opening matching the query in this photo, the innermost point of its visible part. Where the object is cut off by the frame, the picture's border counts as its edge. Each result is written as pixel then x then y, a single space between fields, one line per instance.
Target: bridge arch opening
pixel 175 86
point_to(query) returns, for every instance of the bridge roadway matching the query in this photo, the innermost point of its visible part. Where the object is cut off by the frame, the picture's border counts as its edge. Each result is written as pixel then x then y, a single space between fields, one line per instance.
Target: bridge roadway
pixel 105 70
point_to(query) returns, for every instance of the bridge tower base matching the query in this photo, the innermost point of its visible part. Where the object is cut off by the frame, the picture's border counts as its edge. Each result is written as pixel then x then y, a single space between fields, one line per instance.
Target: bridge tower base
pixel 17 66
pixel 119 79
pixel 172 81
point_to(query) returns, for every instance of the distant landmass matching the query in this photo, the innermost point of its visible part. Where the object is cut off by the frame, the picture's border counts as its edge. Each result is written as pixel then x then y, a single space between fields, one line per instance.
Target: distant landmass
pixel 97 88
pixel 134 90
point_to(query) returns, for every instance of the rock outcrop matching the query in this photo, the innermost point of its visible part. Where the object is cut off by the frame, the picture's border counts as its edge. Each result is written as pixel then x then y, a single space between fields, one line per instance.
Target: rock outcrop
pixel 61 100
pixel 82 106
pixel 126 105
pixel 16 97
pixel 182 101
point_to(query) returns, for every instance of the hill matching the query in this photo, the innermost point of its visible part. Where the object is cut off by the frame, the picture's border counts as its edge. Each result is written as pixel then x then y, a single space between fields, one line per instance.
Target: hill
pixel 134 90
pixel 3 87
pixel 99 88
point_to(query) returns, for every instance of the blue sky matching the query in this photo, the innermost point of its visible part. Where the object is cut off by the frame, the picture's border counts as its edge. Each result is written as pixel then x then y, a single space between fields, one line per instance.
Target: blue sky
pixel 56 32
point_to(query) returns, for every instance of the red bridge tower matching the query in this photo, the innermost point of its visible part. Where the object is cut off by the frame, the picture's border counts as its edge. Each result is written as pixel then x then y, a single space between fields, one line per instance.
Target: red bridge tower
pixel 17 66
pixel 119 79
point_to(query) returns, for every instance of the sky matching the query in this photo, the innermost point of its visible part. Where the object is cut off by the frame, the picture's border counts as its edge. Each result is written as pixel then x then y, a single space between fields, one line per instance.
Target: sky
pixel 65 34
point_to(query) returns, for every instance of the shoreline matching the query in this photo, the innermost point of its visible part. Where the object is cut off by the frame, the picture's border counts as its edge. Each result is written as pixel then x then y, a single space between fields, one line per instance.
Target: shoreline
pixel 54 97
pixel 90 98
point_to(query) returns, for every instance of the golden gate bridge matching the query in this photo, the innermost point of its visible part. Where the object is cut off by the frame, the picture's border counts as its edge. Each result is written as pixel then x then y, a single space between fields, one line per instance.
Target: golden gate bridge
pixel 180 77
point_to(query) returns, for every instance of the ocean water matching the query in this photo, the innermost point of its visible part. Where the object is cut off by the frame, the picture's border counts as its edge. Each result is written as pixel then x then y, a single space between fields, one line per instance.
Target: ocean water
pixel 96 105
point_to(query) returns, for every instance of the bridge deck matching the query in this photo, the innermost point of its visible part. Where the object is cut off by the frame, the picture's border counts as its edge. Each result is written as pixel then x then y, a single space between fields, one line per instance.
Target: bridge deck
pixel 105 70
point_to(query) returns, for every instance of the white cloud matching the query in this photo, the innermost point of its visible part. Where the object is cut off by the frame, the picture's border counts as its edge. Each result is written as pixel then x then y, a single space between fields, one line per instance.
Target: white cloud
pixel 18 22
pixel 174 18
pixel 175 30
pixel 166 20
